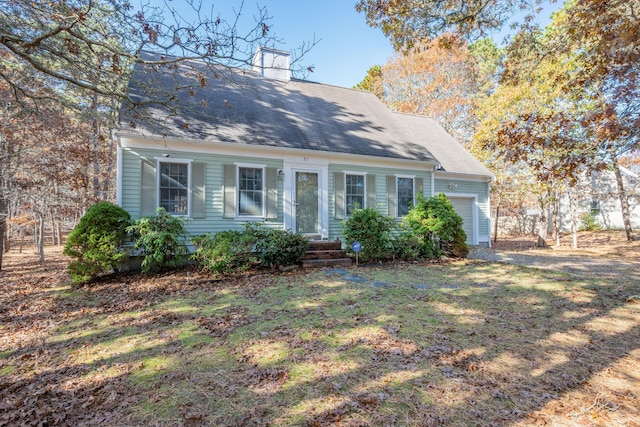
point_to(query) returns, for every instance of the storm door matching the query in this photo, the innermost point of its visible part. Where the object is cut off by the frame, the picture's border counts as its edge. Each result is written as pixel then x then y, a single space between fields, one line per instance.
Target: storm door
pixel 306 204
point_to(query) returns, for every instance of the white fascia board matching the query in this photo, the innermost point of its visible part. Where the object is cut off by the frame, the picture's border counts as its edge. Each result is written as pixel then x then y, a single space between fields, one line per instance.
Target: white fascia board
pixel 462 177
pixel 209 147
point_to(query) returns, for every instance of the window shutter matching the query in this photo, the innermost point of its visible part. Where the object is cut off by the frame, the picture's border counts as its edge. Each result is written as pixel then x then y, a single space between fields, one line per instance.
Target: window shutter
pixel 418 189
pixel 391 197
pixel 371 191
pixel 198 193
pixel 148 188
pixel 271 184
pixel 338 186
pixel 229 182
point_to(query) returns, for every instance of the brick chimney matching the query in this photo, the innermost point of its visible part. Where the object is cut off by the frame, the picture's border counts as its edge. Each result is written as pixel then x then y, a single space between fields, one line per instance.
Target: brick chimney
pixel 272 63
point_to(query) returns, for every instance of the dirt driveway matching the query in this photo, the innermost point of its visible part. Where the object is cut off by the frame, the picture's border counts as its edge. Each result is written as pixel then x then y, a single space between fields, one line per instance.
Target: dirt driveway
pixel 599 254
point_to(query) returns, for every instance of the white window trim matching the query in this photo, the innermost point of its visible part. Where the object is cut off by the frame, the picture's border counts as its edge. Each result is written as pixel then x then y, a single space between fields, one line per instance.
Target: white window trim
pixel 262 215
pixel 364 196
pixel 188 162
pixel 413 192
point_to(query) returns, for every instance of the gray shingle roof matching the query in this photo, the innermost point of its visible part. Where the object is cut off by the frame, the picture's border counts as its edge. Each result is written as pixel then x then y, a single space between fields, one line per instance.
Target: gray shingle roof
pixel 451 155
pixel 241 107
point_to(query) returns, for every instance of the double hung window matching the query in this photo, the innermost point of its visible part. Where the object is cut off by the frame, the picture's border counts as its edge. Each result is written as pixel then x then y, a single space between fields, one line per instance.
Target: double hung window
pixel 174 188
pixel 404 195
pixel 354 192
pixel 250 191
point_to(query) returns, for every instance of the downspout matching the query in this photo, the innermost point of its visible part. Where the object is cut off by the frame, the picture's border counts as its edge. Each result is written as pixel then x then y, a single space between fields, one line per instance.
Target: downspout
pixel 433 181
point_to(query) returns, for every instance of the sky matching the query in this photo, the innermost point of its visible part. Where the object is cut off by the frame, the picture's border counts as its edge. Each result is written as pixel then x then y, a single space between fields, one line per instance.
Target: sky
pixel 346 46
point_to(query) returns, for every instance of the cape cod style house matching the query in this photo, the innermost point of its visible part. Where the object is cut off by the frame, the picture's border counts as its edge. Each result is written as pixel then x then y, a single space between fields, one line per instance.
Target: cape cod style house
pixel 258 145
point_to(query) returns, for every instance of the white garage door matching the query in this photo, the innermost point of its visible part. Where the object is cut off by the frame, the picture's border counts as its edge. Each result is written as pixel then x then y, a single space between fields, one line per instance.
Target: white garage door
pixel 464 208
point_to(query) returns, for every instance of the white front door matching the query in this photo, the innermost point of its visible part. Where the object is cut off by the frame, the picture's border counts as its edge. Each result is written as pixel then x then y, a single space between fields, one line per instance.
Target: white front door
pixel 306 198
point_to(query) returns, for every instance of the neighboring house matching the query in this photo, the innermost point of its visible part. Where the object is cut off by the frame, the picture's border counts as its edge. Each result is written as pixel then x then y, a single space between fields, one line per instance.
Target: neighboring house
pixel 297 155
pixel 599 196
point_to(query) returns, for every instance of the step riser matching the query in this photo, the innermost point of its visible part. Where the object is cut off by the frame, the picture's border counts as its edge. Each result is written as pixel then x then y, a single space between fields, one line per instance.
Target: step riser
pixel 322 245
pixel 325 253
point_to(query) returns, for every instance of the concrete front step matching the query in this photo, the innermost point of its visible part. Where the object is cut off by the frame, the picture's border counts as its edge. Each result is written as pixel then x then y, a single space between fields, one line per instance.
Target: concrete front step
pixel 341 262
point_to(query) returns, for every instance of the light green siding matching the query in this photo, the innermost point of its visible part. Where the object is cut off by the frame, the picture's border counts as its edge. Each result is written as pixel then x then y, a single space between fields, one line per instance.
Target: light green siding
pixel 213 184
pixel 214 179
pixel 380 174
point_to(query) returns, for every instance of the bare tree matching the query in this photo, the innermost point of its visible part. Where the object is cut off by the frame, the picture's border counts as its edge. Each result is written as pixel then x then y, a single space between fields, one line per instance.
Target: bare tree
pixel 74 59
pixel 94 44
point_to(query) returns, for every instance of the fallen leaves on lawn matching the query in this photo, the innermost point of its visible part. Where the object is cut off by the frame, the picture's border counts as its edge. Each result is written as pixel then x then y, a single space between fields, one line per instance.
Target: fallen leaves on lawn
pixel 69 356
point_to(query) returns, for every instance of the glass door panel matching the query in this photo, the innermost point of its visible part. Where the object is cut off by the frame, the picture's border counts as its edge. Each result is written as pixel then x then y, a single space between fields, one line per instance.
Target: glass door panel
pixel 306 202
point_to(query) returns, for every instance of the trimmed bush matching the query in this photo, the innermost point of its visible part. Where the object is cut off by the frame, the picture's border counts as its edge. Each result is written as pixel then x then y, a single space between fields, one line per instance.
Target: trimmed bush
pixel 234 251
pixel 161 239
pixel 96 242
pixel 275 247
pixel 407 247
pixel 225 252
pixel 438 227
pixel 372 229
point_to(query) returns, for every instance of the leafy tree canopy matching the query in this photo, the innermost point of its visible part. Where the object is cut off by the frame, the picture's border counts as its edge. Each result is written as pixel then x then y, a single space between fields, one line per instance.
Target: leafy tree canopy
pixel 407 22
pixel 438 79
pixel 372 82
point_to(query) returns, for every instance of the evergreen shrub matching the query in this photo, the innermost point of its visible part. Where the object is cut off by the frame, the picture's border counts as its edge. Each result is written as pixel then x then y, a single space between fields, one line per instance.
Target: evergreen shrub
pixel 225 252
pixel 96 242
pixel 235 251
pixel 588 222
pixel 437 226
pixel 373 230
pixel 161 239
pixel 276 247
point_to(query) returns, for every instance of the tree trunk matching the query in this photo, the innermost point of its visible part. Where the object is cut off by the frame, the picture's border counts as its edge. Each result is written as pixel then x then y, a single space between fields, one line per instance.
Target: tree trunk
pixel 622 195
pixel 3 228
pixel 3 222
pixel 40 239
pixel 554 211
pixel 106 183
pixel 53 229
pixel 542 233
pixel 59 232
pixel 543 227
pixel 95 126
pixel 574 220
pixel 495 226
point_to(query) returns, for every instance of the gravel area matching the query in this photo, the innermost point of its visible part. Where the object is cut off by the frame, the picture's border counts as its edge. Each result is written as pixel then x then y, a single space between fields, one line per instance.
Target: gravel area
pixel 586 265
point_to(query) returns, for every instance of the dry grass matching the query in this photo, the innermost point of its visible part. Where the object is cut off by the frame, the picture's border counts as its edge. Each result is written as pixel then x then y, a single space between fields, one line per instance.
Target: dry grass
pixel 461 343
pixel 591 243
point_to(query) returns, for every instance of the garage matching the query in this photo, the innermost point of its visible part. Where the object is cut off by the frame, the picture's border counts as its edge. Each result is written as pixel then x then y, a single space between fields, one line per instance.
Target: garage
pixel 464 208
